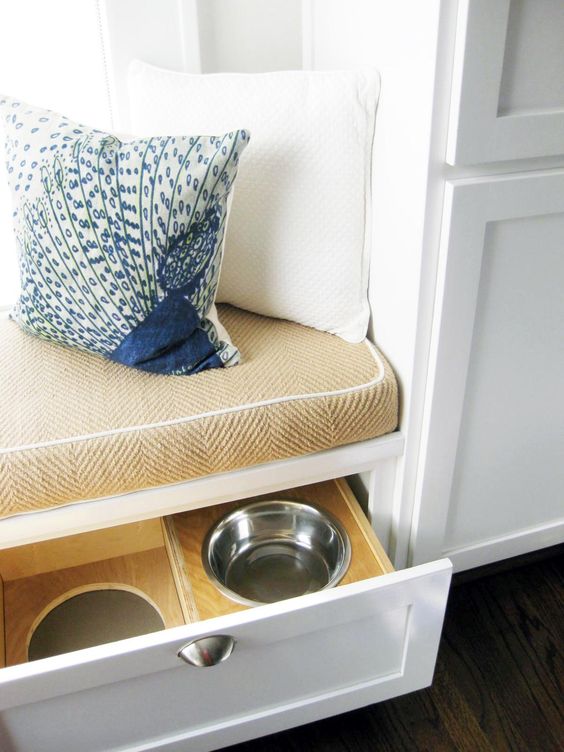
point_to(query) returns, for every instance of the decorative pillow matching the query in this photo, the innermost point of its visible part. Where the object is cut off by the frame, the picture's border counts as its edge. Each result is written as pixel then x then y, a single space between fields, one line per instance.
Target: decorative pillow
pixel 298 242
pixel 120 242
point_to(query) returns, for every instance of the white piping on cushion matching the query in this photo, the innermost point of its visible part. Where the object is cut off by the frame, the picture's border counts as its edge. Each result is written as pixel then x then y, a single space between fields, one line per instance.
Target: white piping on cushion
pixel 212 413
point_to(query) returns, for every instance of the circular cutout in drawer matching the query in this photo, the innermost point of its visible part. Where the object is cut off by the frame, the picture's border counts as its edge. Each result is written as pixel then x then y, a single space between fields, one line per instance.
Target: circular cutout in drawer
pixel 93 617
pixel 273 550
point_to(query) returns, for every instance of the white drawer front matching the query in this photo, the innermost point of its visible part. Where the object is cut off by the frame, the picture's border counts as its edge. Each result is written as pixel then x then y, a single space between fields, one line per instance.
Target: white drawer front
pixel 294 661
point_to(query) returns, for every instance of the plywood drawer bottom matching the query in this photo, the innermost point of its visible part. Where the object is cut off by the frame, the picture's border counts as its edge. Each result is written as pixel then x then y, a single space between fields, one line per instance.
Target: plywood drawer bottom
pixel 157 560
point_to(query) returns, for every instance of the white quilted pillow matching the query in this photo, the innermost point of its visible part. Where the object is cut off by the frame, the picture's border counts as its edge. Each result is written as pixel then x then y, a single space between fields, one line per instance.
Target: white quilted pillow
pixel 297 246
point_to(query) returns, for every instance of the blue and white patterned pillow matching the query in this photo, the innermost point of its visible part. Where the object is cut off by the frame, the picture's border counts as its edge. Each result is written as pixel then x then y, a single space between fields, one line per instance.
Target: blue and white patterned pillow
pixel 120 243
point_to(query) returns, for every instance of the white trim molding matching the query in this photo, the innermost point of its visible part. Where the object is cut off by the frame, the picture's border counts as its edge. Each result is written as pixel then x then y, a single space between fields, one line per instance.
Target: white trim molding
pixel 504 547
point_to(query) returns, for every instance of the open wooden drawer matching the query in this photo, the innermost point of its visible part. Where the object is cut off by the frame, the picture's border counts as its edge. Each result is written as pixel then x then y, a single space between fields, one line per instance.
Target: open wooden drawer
pixel 372 637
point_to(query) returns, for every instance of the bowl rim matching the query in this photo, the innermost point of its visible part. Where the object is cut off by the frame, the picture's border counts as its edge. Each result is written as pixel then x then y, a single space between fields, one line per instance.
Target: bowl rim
pixel 229 517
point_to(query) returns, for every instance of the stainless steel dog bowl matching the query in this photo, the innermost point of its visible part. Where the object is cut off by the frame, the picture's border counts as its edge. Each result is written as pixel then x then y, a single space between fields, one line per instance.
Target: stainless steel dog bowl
pixel 268 551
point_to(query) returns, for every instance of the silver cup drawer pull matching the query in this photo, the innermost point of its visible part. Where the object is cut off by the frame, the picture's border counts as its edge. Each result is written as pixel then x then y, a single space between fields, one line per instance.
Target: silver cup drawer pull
pixel 207 651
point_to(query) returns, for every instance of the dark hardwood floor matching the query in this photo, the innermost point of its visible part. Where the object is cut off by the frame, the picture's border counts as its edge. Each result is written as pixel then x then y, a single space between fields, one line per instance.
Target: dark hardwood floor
pixel 498 684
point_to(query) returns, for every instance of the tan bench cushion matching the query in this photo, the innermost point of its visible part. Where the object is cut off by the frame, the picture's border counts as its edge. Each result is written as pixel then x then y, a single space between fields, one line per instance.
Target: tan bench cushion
pixel 74 426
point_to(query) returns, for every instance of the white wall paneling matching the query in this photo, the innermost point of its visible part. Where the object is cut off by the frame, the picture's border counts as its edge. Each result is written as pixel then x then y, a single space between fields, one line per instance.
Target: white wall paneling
pixel 197 36
pixel 491 472
pixel 50 56
pixel 250 36
pixel 508 85
pixel 164 33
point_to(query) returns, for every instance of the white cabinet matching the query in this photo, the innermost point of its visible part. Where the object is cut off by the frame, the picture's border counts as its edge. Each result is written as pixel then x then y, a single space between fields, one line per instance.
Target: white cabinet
pixel 508 81
pixel 489 475
pixel 492 474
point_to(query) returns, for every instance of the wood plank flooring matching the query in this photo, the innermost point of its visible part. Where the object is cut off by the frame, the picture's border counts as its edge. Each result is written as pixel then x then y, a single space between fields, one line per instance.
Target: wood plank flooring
pixel 499 681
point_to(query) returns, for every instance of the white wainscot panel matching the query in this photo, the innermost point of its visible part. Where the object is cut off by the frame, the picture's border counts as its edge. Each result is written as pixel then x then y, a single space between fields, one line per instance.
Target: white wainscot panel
pixel 508 81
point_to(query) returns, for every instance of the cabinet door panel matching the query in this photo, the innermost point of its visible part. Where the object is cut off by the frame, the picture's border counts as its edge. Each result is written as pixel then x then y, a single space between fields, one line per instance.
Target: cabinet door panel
pixel 294 661
pixel 509 473
pixel 491 474
pixel 508 81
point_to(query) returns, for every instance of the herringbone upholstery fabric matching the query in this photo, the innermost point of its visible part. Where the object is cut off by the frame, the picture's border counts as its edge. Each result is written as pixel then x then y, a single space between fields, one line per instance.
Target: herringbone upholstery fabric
pixel 74 426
